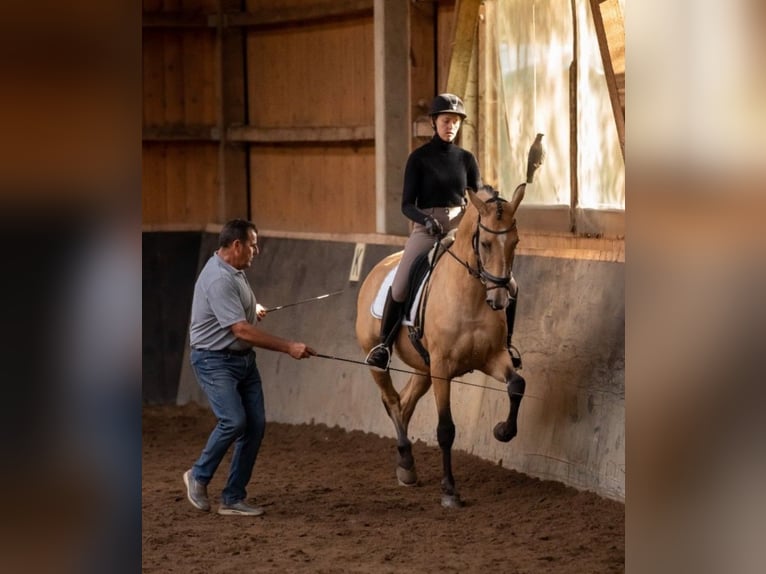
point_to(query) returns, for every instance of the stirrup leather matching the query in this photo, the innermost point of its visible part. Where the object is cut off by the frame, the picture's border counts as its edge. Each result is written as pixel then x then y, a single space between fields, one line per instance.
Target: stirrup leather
pixel 375 365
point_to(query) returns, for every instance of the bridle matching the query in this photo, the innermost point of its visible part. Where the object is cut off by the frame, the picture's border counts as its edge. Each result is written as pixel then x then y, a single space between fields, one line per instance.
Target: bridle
pixel 479 271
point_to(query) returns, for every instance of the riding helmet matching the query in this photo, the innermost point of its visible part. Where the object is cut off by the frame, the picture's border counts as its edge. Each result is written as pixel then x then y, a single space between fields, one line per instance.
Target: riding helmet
pixel 447 104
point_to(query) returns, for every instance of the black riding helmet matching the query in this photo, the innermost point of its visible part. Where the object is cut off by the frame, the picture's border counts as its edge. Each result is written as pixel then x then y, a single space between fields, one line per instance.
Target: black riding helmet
pixel 447 104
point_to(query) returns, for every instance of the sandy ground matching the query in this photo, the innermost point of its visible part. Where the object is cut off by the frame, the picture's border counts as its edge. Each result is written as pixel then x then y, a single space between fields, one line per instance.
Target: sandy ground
pixel 333 506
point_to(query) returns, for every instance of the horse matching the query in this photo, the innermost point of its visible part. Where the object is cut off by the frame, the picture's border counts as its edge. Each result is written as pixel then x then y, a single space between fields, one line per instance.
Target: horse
pixel 464 329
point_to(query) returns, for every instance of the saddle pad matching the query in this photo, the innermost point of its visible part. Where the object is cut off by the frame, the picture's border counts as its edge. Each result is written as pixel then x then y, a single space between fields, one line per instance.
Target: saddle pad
pixel 380 299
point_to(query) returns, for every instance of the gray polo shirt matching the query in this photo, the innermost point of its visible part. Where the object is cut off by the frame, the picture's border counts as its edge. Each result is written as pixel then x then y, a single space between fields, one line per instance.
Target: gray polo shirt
pixel 222 297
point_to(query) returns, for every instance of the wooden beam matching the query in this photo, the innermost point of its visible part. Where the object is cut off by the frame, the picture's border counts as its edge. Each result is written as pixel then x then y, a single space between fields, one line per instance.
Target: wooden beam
pixel 252 134
pixel 179 133
pixel 540 244
pixel 220 114
pixel 611 81
pixel 574 182
pixel 353 134
pixel 391 29
pixel 263 18
pixel 176 20
pixel 464 32
pixel 487 125
pixel 233 100
pixel 303 14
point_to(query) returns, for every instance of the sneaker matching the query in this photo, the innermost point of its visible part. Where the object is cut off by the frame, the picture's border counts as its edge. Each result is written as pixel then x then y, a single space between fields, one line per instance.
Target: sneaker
pixel 196 492
pixel 239 508
pixel 379 358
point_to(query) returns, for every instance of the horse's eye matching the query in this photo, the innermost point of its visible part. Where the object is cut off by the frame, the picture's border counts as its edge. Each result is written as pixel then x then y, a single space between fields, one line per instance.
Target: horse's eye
pixel 486 244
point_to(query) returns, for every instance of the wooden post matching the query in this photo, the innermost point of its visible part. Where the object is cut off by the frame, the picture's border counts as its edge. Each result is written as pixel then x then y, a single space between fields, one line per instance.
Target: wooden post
pixel 234 82
pixel 573 111
pixel 611 81
pixel 392 112
pixel 220 115
pixel 464 34
pixel 487 124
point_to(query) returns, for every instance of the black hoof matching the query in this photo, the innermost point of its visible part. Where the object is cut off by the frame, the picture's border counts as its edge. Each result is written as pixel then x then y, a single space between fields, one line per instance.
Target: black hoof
pixel 503 432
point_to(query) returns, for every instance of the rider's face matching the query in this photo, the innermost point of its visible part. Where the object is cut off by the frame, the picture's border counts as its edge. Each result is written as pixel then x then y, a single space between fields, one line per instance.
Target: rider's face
pixel 447 126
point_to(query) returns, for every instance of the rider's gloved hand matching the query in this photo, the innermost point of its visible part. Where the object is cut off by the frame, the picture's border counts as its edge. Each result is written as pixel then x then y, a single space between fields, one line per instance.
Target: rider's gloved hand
pixel 433 227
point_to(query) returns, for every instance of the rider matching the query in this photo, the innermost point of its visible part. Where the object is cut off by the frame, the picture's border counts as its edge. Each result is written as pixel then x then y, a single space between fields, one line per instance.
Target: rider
pixel 435 179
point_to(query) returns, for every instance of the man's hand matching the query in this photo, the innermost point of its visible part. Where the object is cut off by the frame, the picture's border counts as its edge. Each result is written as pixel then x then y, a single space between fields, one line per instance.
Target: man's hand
pixel 260 311
pixel 433 227
pixel 300 350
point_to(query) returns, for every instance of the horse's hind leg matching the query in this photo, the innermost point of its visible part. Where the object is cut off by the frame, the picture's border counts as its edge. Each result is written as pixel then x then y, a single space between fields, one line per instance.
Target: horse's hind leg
pixel 416 387
pixel 504 431
pixel 405 470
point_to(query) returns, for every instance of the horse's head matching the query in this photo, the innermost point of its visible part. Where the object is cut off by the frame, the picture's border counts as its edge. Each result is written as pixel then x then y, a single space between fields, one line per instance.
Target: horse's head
pixel 494 242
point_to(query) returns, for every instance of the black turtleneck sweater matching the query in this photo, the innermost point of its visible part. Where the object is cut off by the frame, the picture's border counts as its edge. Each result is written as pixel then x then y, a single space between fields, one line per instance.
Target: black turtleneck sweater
pixel 436 175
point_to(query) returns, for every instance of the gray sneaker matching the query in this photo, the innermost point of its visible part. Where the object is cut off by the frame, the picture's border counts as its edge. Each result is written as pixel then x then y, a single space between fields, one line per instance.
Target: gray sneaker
pixel 196 492
pixel 240 508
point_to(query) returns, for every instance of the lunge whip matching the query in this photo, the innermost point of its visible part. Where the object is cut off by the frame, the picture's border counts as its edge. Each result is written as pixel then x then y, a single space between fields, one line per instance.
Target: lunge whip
pixel 270 309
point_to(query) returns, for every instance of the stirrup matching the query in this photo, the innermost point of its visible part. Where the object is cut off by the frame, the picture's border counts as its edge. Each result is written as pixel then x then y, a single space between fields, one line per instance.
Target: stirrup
pixel 515 356
pixel 376 364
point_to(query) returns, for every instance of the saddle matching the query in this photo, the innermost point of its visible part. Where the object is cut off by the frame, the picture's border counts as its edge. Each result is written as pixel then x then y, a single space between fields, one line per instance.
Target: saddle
pixel 417 295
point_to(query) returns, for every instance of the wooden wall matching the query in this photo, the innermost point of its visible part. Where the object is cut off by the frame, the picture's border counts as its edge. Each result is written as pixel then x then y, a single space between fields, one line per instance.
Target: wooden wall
pixel 307 82
pixel 179 92
pixel 268 112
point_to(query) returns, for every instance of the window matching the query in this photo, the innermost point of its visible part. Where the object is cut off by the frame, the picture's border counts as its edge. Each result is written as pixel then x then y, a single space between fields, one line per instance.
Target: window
pixel 549 77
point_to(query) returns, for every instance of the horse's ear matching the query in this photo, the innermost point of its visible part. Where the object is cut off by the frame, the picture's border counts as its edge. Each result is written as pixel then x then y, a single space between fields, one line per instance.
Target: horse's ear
pixel 518 195
pixel 480 206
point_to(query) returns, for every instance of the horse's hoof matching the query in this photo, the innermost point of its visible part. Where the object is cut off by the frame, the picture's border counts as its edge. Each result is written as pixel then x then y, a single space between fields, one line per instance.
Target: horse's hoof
pixel 503 433
pixel 406 477
pixel 451 501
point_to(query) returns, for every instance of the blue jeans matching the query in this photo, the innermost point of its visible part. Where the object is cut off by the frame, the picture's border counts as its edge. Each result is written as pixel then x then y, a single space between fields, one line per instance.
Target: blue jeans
pixel 233 387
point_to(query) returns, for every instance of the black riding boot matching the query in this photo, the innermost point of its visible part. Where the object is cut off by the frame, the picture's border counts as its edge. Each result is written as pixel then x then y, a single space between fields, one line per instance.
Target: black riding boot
pixel 379 356
pixel 510 317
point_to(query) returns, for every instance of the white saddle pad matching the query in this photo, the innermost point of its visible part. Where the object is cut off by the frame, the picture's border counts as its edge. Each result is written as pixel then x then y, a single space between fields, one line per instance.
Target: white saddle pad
pixel 380 299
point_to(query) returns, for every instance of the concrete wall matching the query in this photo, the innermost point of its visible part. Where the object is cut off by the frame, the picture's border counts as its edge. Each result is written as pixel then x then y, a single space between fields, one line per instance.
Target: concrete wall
pixel 570 329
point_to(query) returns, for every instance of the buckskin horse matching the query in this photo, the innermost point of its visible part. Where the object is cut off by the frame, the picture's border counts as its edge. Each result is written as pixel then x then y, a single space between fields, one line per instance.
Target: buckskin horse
pixel 464 329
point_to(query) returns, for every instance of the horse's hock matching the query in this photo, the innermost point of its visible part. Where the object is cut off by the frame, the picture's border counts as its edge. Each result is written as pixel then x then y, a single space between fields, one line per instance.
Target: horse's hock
pixel 569 327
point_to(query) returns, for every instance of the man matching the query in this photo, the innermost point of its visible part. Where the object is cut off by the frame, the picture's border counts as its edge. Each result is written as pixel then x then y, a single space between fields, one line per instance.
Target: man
pixel 223 333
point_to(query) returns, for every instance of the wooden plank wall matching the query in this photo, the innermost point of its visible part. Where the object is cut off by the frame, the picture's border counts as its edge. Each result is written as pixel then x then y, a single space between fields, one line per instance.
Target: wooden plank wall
pixel 319 75
pixel 179 89
pixel 294 103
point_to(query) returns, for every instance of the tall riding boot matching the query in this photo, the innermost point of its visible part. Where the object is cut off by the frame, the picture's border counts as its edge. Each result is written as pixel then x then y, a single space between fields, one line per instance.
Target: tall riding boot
pixel 510 318
pixel 379 356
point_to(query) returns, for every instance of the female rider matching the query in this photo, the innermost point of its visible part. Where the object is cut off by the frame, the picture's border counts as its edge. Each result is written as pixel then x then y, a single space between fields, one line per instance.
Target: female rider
pixel 435 179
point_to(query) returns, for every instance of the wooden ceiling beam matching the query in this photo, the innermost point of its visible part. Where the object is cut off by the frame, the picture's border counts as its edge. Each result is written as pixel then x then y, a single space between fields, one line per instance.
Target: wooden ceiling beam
pixel 466 20
pixel 265 18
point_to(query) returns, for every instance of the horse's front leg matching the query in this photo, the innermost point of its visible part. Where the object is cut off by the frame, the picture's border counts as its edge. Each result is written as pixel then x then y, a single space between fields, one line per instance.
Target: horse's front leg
pixel 445 434
pixel 505 430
